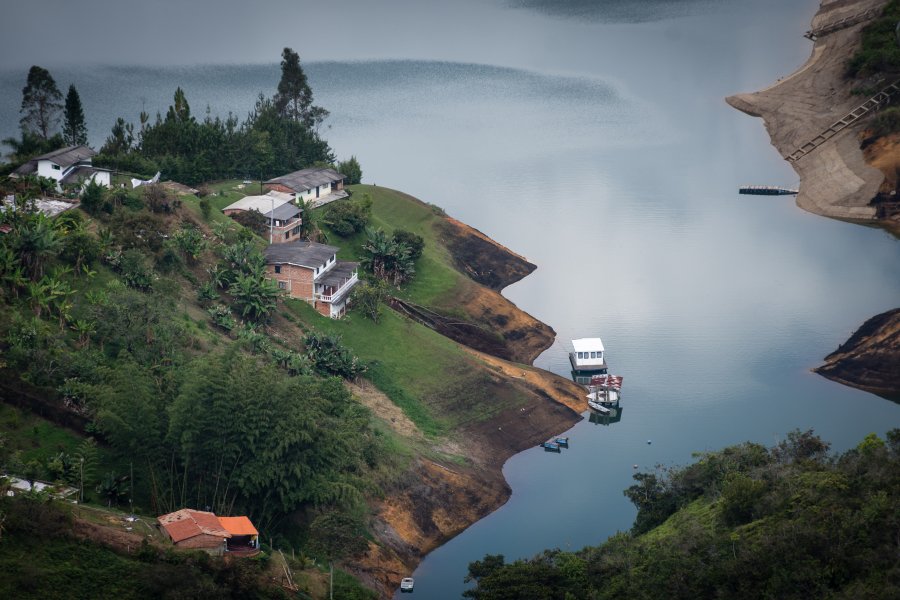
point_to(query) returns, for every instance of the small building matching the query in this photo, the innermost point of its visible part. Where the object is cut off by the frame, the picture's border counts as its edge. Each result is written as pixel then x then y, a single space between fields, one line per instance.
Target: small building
pixel 244 536
pixel 283 217
pixel 201 530
pixel 69 165
pixel 319 185
pixel 196 530
pixel 588 356
pixel 311 272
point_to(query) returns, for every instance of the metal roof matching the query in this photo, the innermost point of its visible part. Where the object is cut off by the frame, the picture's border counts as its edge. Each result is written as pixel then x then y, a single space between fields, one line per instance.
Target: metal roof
pixel 588 345
pixel 82 172
pixel 261 203
pixel 303 254
pixel 64 157
pixel 285 212
pixel 338 274
pixel 307 179
pixel 238 526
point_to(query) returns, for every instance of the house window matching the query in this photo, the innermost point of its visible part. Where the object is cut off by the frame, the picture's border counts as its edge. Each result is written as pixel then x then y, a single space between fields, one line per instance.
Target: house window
pixel 54 167
pixel 295 230
pixel 593 355
pixel 581 355
pixel 278 268
pixel 282 285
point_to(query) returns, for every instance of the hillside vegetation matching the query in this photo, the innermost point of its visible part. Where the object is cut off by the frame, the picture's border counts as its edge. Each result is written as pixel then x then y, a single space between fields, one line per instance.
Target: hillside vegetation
pixel 751 522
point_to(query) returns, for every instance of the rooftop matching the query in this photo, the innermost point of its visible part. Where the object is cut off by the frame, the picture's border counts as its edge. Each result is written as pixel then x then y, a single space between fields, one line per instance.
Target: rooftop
pixel 64 157
pixel 238 526
pixel 338 274
pixel 285 212
pixel 187 523
pixel 303 254
pixel 307 179
pixel 262 203
pixel 79 173
pixel 588 345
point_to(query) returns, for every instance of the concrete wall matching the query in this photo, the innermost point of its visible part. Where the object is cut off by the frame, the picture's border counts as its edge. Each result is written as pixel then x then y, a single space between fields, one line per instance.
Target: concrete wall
pixel 46 169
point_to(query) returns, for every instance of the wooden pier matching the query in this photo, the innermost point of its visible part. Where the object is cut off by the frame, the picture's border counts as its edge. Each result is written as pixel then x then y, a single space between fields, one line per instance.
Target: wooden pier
pixel 872 104
pixel 849 21
pixel 767 190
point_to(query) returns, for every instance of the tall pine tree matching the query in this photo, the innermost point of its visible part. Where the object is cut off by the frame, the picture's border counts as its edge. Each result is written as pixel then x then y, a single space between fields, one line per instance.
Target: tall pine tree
pixel 294 98
pixel 74 128
pixel 41 103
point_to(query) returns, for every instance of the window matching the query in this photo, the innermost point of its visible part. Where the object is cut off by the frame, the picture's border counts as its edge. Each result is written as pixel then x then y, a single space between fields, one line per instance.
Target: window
pixel 282 285
pixel 278 268
pixel 593 355
pixel 581 355
pixel 54 167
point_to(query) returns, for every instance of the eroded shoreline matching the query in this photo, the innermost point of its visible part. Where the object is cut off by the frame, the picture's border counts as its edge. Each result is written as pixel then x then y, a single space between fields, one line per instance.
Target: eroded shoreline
pixel 836 178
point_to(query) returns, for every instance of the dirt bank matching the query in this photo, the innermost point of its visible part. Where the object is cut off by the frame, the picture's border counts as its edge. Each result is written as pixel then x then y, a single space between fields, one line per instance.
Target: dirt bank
pixel 495 325
pixel 438 498
pixel 835 179
pixel 870 359
pixel 849 176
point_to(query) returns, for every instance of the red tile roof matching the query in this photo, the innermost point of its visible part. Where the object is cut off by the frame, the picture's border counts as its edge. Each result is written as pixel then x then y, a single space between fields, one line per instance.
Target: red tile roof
pixel 187 523
pixel 238 526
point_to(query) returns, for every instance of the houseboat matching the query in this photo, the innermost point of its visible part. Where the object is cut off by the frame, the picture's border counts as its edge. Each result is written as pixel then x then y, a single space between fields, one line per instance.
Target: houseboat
pixel 588 357
pixel 407 585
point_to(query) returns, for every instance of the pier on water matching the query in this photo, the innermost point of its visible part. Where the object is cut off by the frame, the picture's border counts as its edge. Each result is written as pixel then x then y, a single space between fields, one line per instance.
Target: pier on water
pixel 767 190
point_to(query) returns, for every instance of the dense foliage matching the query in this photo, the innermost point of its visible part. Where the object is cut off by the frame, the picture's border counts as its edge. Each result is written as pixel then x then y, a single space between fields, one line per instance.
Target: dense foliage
pixel 279 135
pixel 249 428
pixel 880 49
pixel 746 522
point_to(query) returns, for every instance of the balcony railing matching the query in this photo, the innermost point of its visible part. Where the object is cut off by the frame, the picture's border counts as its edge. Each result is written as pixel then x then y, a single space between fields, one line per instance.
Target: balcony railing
pixel 337 293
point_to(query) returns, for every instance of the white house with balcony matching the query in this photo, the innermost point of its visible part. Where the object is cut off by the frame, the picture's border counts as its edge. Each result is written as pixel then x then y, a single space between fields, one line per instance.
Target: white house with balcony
pixel 311 272
pixel 70 165
pixel 318 185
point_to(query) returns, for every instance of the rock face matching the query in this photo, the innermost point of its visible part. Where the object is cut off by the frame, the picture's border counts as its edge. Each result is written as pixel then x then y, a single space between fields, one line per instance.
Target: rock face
pixel 835 180
pixel 870 359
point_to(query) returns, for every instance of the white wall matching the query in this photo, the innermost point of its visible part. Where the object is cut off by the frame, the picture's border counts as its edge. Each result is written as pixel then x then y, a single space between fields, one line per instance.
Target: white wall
pixel 46 169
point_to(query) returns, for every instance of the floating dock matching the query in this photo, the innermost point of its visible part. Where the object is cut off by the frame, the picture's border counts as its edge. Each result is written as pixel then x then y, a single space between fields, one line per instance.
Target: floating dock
pixel 767 190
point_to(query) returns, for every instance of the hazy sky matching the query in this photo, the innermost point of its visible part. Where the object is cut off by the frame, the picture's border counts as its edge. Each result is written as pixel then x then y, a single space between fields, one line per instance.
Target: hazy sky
pixel 171 32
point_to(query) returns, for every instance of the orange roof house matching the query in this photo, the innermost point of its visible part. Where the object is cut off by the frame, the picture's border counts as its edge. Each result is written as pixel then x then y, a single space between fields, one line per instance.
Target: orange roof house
pixel 201 530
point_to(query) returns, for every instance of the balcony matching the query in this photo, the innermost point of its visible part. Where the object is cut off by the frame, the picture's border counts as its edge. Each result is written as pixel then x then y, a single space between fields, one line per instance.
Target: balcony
pixel 341 291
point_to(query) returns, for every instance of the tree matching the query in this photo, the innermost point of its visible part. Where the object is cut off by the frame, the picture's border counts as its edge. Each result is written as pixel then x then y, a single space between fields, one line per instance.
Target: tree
pixel 74 128
pixel 294 95
pixel 120 140
pixel 368 298
pixel 351 169
pixel 41 103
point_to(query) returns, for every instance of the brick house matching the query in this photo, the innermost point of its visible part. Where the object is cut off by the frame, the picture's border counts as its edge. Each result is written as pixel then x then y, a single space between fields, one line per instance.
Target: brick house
pixel 319 185
pixel 201 530
pixel 195 529
pixel 311 272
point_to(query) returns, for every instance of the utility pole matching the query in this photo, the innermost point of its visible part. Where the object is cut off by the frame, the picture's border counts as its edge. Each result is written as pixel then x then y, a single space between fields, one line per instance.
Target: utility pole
pixel 271 221
pixel 81 493
pixel 331 581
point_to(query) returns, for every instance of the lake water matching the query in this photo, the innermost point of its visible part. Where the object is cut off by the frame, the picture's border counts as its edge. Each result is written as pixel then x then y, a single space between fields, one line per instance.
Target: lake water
pixel 602 150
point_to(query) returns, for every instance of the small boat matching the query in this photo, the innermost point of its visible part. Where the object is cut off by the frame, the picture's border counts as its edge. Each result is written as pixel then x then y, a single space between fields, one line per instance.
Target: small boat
pixel 588 356
pixel 767 190
pixel 406 585
pixel 594 405
pixel 550 447
pixel 562 442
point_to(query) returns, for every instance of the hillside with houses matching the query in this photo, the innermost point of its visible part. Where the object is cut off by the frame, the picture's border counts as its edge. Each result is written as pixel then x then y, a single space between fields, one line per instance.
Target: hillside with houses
pixel 252 369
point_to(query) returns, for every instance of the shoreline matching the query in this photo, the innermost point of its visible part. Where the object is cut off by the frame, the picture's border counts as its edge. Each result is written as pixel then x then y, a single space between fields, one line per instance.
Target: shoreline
pixel 837 179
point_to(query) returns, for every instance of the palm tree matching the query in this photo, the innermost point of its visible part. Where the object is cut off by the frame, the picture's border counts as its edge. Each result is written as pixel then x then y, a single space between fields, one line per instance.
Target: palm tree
pixel 36 242
pixel 84 329
pixel 38 296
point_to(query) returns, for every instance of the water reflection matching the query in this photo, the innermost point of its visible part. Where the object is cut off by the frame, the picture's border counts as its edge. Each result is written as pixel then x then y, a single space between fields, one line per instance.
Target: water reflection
pixel 614 416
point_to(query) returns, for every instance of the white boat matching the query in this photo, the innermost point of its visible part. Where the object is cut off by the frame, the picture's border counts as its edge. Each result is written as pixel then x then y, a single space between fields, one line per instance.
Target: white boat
pixel 594 405
pixel 605 390
pixel 406 585
pixel 589 356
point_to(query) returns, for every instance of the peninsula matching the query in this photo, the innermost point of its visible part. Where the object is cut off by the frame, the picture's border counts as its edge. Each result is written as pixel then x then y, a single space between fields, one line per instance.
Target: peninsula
pixel 821 121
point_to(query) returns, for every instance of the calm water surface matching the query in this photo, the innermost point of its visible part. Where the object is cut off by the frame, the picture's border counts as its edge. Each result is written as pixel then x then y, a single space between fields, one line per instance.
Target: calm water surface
pixel 606 155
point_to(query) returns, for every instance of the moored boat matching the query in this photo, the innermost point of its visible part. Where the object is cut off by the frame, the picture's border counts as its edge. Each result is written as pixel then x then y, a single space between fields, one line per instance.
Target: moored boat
pixel 407 584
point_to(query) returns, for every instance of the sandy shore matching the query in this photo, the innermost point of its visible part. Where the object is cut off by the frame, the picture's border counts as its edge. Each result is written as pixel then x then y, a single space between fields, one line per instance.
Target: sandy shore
pixel 835 180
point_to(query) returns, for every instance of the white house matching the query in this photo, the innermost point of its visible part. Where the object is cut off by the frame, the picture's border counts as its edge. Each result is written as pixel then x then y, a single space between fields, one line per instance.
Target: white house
pixel 320 185
pixel 282 215
pixel 588 355
pixel 70 165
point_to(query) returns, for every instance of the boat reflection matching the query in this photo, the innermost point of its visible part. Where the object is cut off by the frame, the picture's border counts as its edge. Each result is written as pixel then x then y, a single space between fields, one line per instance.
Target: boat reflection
pixel 614 416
